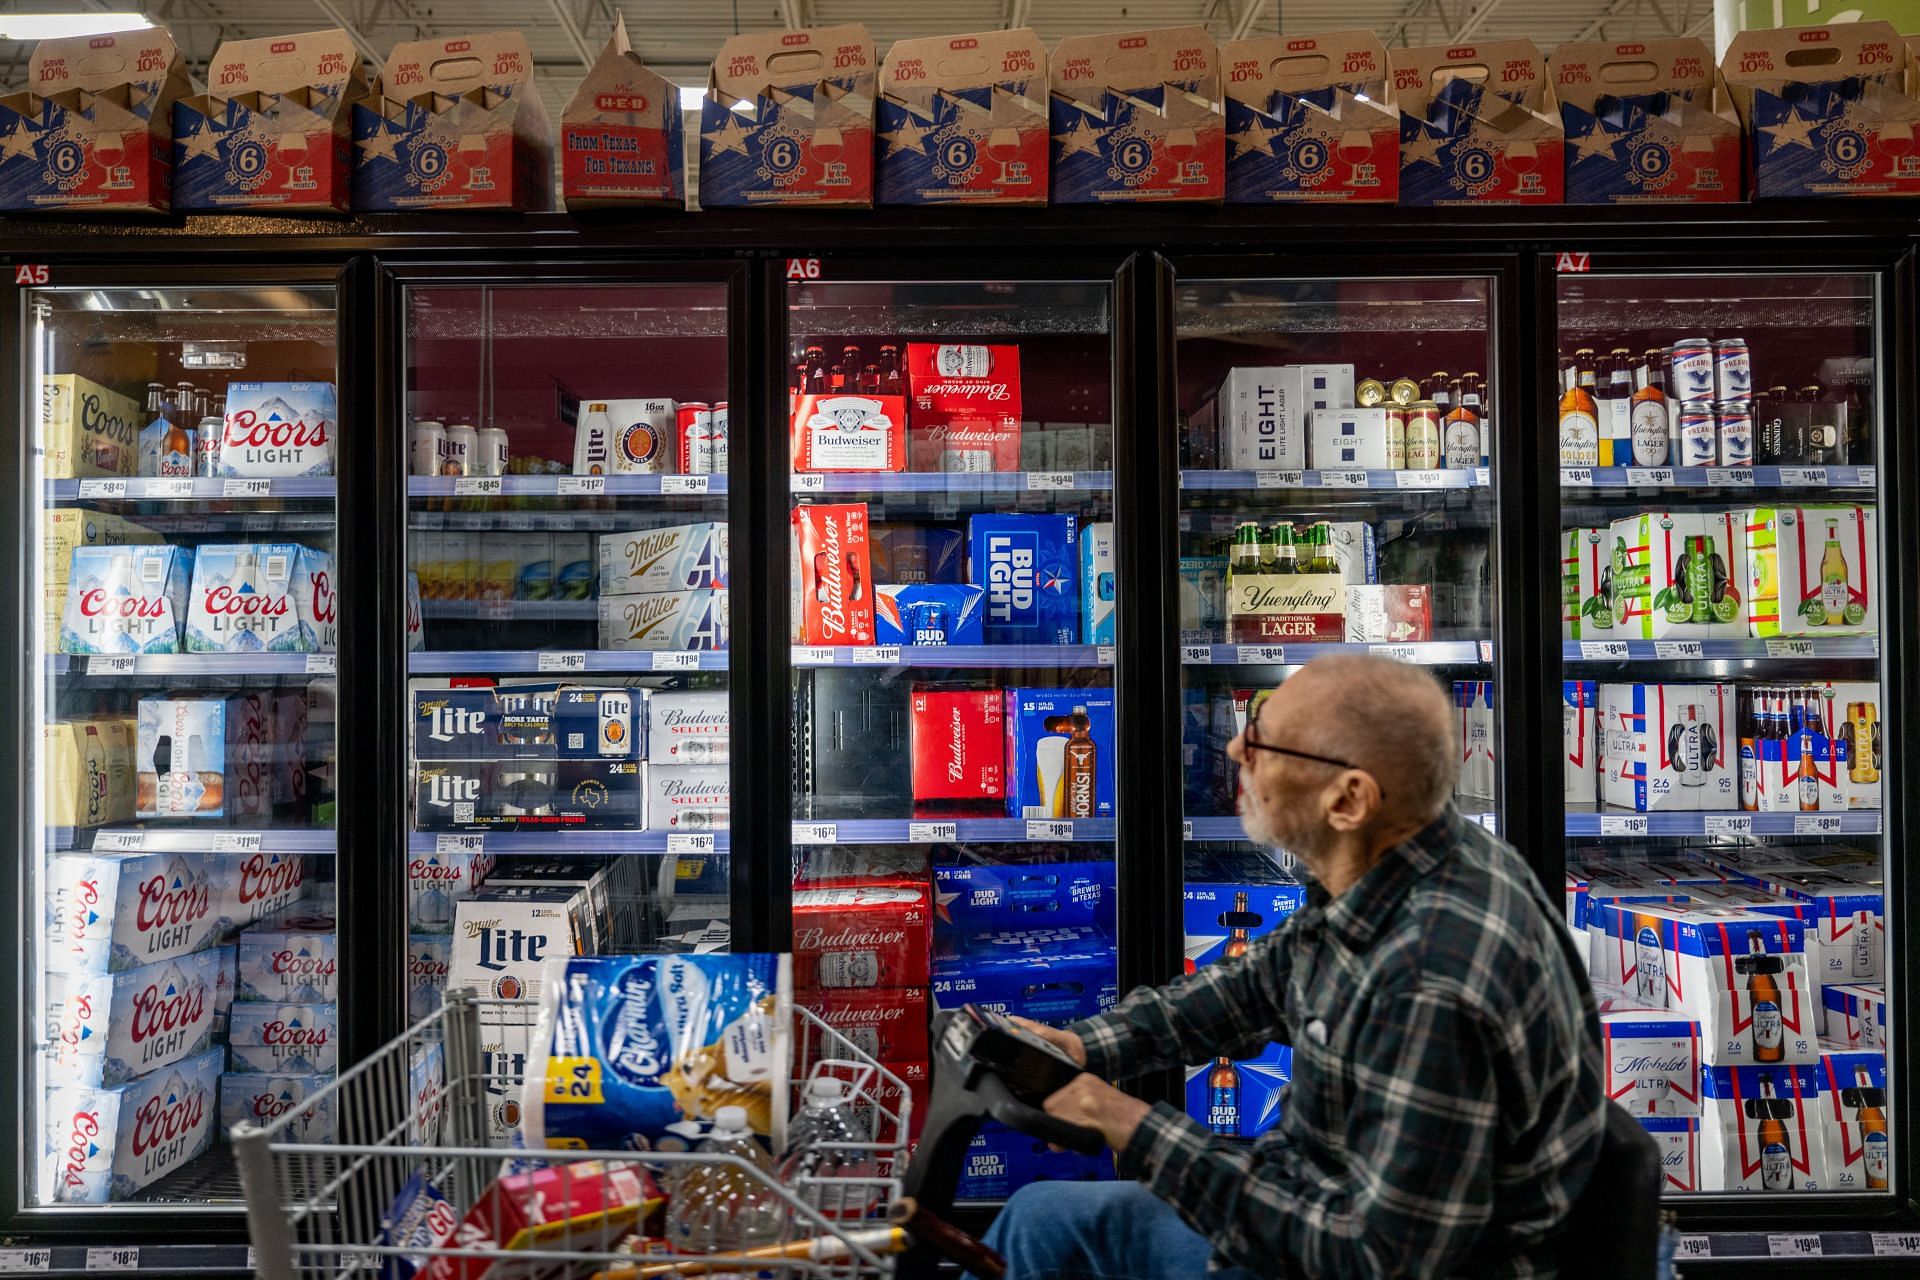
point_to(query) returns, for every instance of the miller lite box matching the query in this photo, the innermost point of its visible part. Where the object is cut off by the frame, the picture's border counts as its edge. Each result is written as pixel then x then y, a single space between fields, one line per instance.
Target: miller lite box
pixel 1647 123
pixel 862 935
pixel 1240 1098
pixel 94 131
pixel 109 912
pixel 621 138
pixel 687 797
pixel 105 1029
pixel 126 599
pixel 272 133
pixel 597 724
pixel 1221 919
pixel 688 726
pixel 888 1024
pixel 262 1099
pixel 1652 1060
pixel 1479 124
pixel 429 960
pixel 106 1144
pixel 979 896
pixel 279 429
pixel 85 429
pixel 1678 1141
pixel 1853 1104
pixel 284 1039
pixel 833 579
pixel 1097 583
pixel 1679 576
pixel 180 757
pixel 1857 1015
pixel 1264 412
pixel 1029 566
pixel 1668 746
pixel 503 937
pixel 805 132
pixel 682 557
pixel 957 744
pixel 1311 118
pixel 290 957
pixel 438 881
pixel 846 431
pixel 1051 975
pixel 1060 753
pixel 454 124
pixel 1136 116
pixel 966 407
pixel 963 120
pixel 1580 741
pixel 88 766
pixel 1828 110
pixel 513 722
pixel 243 599
pixel 929 614
pixel 664 620
pixel 1760 1129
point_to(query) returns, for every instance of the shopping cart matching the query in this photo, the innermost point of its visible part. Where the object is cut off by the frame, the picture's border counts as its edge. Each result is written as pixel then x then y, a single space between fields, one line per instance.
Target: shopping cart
pixel 439 1102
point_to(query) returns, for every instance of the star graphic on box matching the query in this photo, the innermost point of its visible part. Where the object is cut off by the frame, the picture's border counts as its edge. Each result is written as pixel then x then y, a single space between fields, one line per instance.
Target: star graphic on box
pixel 204 141
pixel 1256 137
pixel 1597 143
pixel 19 142
pixel 382 141
pixel 1791 132
pixel 1083 137
pixel 1424 149
pixel 731 136
pixel 910 136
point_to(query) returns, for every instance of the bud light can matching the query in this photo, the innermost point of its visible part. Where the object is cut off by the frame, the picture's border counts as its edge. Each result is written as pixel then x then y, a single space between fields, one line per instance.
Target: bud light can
pixel 206 445
pixel 1736 433
pixel 491 457
pixel 426 448
pixel 1690 372
pixel 458 451
pixel 1699 434
pixel 1732 369
pixel 929 622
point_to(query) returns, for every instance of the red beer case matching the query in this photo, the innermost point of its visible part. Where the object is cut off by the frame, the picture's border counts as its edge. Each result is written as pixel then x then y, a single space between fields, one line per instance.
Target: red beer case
pixel 849 431
pixel 835 574
pixel 966 407
pixel 862 935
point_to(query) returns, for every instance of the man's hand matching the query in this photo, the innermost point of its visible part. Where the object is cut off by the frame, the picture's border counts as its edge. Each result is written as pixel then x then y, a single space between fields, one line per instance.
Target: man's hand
pixel 1065 1041
pixel 1090 1101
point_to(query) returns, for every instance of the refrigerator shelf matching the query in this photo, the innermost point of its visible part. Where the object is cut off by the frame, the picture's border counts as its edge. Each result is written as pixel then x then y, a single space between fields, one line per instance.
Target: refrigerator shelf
pixel 1425 653
pixel 570 842
pixel 684 486
pixel 1229 828
pixel 197 489
pixel 1460 478
pixel 1734 823
pixel 188 665
pixel 952 482
pixel 1836 477
pixel 954 655
pixel 563 662
pixel 1791 647
pixel 207 839
pixel 514 610
pixel 954 831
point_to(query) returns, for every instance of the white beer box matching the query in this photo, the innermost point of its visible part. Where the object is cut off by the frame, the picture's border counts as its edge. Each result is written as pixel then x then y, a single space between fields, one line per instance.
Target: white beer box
pixel 502 938
pixel 243 599
pixel 1580 741
pixel 1848 920
pixel 1355 553
pixel 681 557
pixel 284 1039
pixel 105 1144
pixel 1853 1104
pixel 429 959
pixel 125 599
pixel 264 1099
pixel 1857 1015
pixel 1853 758
pixel 226 979
pixel 1662 590
pixel 1669 746
pixel 1652 1060
pixel 1263 412
pixel 503 1063
pixel 438 882
pixel 1357 437
pixel 249 755
pixel 279 429
pixel 115 911
pixel 316 601
pixel 289 748
pixel 291 956
pixel 1639 882
pixel 689 727
pixel 106 1029
pixel 1678 1139
pixel 669 620
pixel 687 797
pixel 644 435
pixel 1752 1142
pixel 1828 570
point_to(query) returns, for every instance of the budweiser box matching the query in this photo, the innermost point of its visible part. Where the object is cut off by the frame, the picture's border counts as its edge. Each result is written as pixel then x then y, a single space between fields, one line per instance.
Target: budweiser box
pixel 243 599
pixel 1828 110
pixel 502 939
pixel 454 124
pixel 621 138
pixel 1222 918
pixel 1060 753
pixel 86 429
pixel 437 882
pixel 94 131
pixel 978 896
pixel 805 133
pixel 109 912
pixel 1678 575
pixel 1241 1099
pixel 1647 123
pixel 826 864
pixel 1136 116
pixel 963 120
pixel 687 797
pixel 125 599
pixel 88 766
pixel 958 744
pixel 1263 412
pixel 888 1024
pixel 429 959
pixel 1652 1060
pixel 1668 746
pixel 1678 1141
pixel 180 756
pixel 1396 613
pixel 846 432
pixel 262 1099
pixel 1268 608
pixel 284 1039
pixel 664 620
pixel 291 957
pixel 1052 975
pixel 682 557
pixel 688 726
pixel 965 407
pixel 279 429
pixel 105 1029
pixel 1853 1104
pixel 579 1205
pixel 862 935
pixel 1586 584
pixel 1030 568
pixel 833 579
pixel 1580 741
pixel 1311 118
pixel 928 614
pixel 1479 124
pixel 1812 571
pixel 103 1145
pixel 273 130
pixel 1857 1015
pixel 1760 1129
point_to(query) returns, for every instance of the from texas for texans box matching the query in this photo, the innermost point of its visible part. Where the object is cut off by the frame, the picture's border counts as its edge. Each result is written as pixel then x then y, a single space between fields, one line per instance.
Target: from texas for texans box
pixel 1827 110
pixel 1136 116
pixel 963 120
pixel 272 131
pixel 1647 123
pixel 1479 124
pixel 1221 918
pixel 1310 118
pixel 805 135
pixel 621 140
pixel 454 124
pixel 95 130
pixel 1760 1129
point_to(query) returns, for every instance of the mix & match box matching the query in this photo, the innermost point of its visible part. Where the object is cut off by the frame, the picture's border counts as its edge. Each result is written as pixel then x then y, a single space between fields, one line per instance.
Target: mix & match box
pixel 1649 122
pixel 788 119
pixel 1136 116
pixel 963 120
pixel 1479 124
pixel 1311 118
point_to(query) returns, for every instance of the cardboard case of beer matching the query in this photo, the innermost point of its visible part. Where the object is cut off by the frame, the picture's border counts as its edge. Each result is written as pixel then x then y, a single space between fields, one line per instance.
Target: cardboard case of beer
pixel 1825 576
pixel 688 726
pixel 807 135
pixel 832 596
pixel 1051 975
pixel 291 956
pixel 502 939
pixel 126 599
pixel 846 432
pixel 1136 116
pixel 114 911
pixel 1244 1099
pixel 273 131
pixel 1479 124
pixel 862 935
pixel 621 138
pixel 1030 568
pixel 664 620
pixel 1580 740
pixel 887 1023
pixel 95 130
pixel 1760 1129
pixel 1668 746
pixel 454 124
pixel 284 1039
pixel 1853 1104
pixel 974 896
pixel 279 429
pixel 103 1145
pixel 86 429
pixel 1311 118
pixel 88 766
pixel 957 745
pixel 243 599
pixel 1828 110
pixel 262 1098
pixel 1652 1058
pixel 1857 1015
pixel 108 1028
pixel 1215 919
pixel 1679 576
pixel 1264 412
pixel 1060 753
pixel 683 557
pixel 999 1161
pixel 1586 584
pixel 1848 924
pixel 932 613
pixel 1479 732
pixel 966 407
pixel 1648 122
pixel 1678 1141
pixel 1274 608
pixel 963 120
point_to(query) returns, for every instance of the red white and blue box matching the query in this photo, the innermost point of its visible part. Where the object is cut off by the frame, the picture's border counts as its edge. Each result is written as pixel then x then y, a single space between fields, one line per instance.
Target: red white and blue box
pixel 1053 975
pixel 1857 1015
pixel 1479 124
pixel 1311 118
pixel 928 613
pixel 1853 1103
pixel 788 119
pixel 1030 568
pixel 621 140
pixel 1216 919
pixel 977 896
pixel 1761 1129
pixel 1000 1161
pixel 1652 1059
pixel 1136 116
pixel 1648 122
pixel 1678 1138
pixel 963 120
pixel 1240 1099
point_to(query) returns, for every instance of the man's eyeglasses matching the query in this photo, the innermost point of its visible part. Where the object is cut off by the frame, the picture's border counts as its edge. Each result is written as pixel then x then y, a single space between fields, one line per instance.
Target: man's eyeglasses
pixel 1252 741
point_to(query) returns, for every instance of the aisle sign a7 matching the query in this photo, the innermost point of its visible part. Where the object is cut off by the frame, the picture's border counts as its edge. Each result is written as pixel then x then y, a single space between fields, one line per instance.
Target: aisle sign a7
pixel 1573 263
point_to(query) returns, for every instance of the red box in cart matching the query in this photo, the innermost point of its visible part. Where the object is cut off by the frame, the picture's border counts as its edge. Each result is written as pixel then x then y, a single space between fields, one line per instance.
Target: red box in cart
pixel 966 407
pixel 579 1205
pixel 862 936
pixel 834 576
pixel 958 744
pixel 885 1023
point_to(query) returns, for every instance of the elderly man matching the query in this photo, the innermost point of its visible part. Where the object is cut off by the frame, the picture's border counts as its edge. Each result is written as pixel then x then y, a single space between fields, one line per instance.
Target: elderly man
pixel 1446 1106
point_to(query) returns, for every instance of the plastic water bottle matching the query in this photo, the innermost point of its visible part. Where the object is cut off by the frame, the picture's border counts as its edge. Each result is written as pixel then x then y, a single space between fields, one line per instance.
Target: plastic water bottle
pixel 823 1141
pixel 719 1208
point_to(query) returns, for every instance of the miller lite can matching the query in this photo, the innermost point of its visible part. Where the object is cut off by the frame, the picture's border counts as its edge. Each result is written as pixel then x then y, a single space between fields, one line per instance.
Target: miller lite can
pixel 426 447
pixel 491 457
pixel 459 451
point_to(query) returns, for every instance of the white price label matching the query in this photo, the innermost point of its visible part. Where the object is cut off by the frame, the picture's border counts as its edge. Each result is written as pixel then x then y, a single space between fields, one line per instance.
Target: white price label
pixel 448 842
pixel 571 660
pixel 103 488
pixel 112 664
pixel 581 486
pixel 1814 476
pixel 121 1258
pixel 13 1261
pixel 809 482
pixel 884 655
pixel 1343 479
pixel 1483 477
pixel 1279 479
pixel 1867 477
pixel 1816 824
pixel 1103 655
pixel 1486 651
pixel 1670 649
pixel 1049 480
pixel 119 842
pixel 477 486
pixel 1797 1245
pixel 1729 824
pixel 1896 1244
pixel 323 664
pixel 1604 650
pixel 816 833
pixel 236 842
pixel 1783 648
pixel 690 842
pixel 1257 655
pixel 1491 821
pixel 682 660
pixel 933 832
pixel 1196 655
pixel 1186 830
pixel 1622 825
pixel 1730 477
pixel 1576 477
pixel 814 655
pixel 170 487
pixel 1419 479
pixel 1649 475
pixel 1398 652
pixel 685 484
pixel 1694 1247
pixel 246 488
pixel 1048 829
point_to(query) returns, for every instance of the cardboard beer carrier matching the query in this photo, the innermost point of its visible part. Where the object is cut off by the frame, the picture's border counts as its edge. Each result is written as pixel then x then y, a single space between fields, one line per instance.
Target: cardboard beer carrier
pixel 963 120
pixel 621 141
pixel 1310 118
pixel 1136 116
pixel 454 124
pixel 95 131
pixel 1829 111
pixel 1649 122
pixel 807 135
pixel 272 130
pixel 1479 124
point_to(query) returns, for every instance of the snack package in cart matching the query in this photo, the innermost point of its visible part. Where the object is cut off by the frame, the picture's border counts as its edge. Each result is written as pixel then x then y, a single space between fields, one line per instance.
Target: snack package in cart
pixel 629 1045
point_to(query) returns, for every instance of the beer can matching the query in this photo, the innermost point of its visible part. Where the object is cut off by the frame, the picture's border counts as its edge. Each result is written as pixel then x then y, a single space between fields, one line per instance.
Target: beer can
pixel 718 424
pixel 1423 436
pixel 206 445
pixel 1397 437
pixel 1690 370
pixel 459 450
pixel 1732 369
pixel 491 459
pixel 643 435
pixel 1403 391
pixel 1370 392
pixel 426 448
pixel 1736 432
pixel 696 438
pixel 1699 433
pixel 956 361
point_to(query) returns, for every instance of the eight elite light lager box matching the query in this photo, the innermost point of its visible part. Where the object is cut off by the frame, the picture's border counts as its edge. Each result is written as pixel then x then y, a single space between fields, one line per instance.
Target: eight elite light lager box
pixel 1311 118
pixel 788 119
pixel 621 141
pixel 1263 412
pixel 963 120
pixel 103 1145
pixel 1136 116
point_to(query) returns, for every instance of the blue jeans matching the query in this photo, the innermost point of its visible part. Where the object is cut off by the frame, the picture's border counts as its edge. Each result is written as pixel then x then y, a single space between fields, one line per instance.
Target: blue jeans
pixel 1098 1231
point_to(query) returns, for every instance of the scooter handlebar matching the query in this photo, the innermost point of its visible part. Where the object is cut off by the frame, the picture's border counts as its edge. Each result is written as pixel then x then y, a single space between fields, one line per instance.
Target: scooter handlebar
pixel 1030 1120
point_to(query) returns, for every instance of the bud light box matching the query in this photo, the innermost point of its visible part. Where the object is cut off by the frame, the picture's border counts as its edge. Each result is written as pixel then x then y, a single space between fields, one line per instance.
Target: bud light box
pixel 665 620
pixel 273 133
pixel 862 935
pixel 1051 975
pixel 88 430
pixel 263 1099
pixel 1653 1061
pixel 126 599
pixel 978 897
pixel 106 1029
pixel 966 407
pixel 103 1145
pixel 1479 124
pixel 621 138
pixel 94 130
pixel 1240 1099
pixel 1647 123
pixel 1136 116
pixel 1221 919
pixel 279 429
pixel 835 574
pixel 243 599
pixel 1853 1106
pixel 110 912
pixel 962 120
pixel 929 614
pixel 682 557
pixel 454 124
pixel 502 938
pixel 805 132
pixel 284 1039
pixel 845 432
pixel 1060 749
pixel 429 958
pixel 1761 1129
pixel 1097 579
pixel 1857 1015
pixel 1311 118
pixel 1030 568
pixel 999 1161
pixel 291 956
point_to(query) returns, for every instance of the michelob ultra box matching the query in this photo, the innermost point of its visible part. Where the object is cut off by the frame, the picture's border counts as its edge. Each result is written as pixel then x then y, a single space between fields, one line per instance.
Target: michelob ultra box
pixel 1825 577
pixel 1668 746
pixel 1678 1141
pixel 1652 1061
pixel 833 576
pixel 88 766
pixel 681 557
pixel 1098 575
pixel 1051 975
pixel 1240 1098
pixel 1060 749
pixel 291 957
pixel 963 120
pixel 1221 919
pixel 1857 1015
pixel 1263 412
pixel 1479 732
pixel 1030 568
pixel 847 432
pixel 1760 1129
pixel 262 1099
pixel 115 911
pixel 1678 576
pixel 930 613
pixel 180 758
pixel 1586 584
pixel 664 620
pixel 1853 1104
pixel 243 599
pixel 977 896
pixel 1311 118
pixel 1479 124
pixel 93 131
pixel 621 139
pixel 454 123
pixel 966 407
pixel 126 599
pixel 1847 929
pixel 788 119
pixel 279 429
pixel 106 1144
pixel 1136 116
pixel 105 1029
pixel 86 429
pixel 1647 123
pixel 1580 740
pixel 291 1039
pixel 688 726
pixel 272 133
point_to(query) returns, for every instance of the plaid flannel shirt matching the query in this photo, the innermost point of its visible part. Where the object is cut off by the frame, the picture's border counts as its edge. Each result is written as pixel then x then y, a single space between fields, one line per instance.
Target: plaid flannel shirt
pixel 1446 1102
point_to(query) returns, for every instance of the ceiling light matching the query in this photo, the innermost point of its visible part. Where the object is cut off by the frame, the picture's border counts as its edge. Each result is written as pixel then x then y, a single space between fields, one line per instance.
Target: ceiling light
pixel 54 26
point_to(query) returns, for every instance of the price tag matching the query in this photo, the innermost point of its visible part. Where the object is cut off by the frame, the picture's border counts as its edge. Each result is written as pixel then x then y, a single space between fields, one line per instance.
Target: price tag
pixel 1186 830
pixel 1798 1245
pixel 170 487
pixel 1730 477
pixel 1257 655
pixel 1196 655
pixel 813 655
pixel 1491 821
pixel 1813 476
pixel 933 832
pixel 1486 651
pixel 1103 655
pixel 1049 480
pixel 1729 824
pixel 1896 1244
pixel 1419 479
pixel 1650 475
pixel 1620 825
pixel 322 664
pixel 581 486
pixel 1483 477
pixel 681 660
pixel 477 486
pixel 103 488
pixel 684 484
pixel 1604 650
pixel 1279 479
pixel 816 833
pixel 690 842
pixel 112 664
pixel 573 660
pixel 1778 647
pixel 123 1258
pixel 1816 824
pixel 885 655
pixel 236 842
pixel 809 482
pixel 119 841
pixel 13 1261
pixel 1670 649
pixel 1694 1247
pixel 1576 477
pixel 1049 829
pixel 1398 652
pixel 448 842
pixel 1343 479
pixel 1867 476
pixel 245 488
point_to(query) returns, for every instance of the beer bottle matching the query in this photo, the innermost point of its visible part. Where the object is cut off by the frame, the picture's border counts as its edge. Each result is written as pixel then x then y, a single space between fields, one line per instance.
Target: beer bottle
pixel 1579 426
pixel 870 380
pixel 1588 369
pixel 1438 388
pixel 1647 420
pixel 1776 1150
pixel 1323 561
pixel 1872 1119
pixel 890 370
pixel 1286 557
pixel 816 383
pixel 1223 1098
pixel 1246 548
pixel 1237 938
pixel 1081 771
pixel 1769 1038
